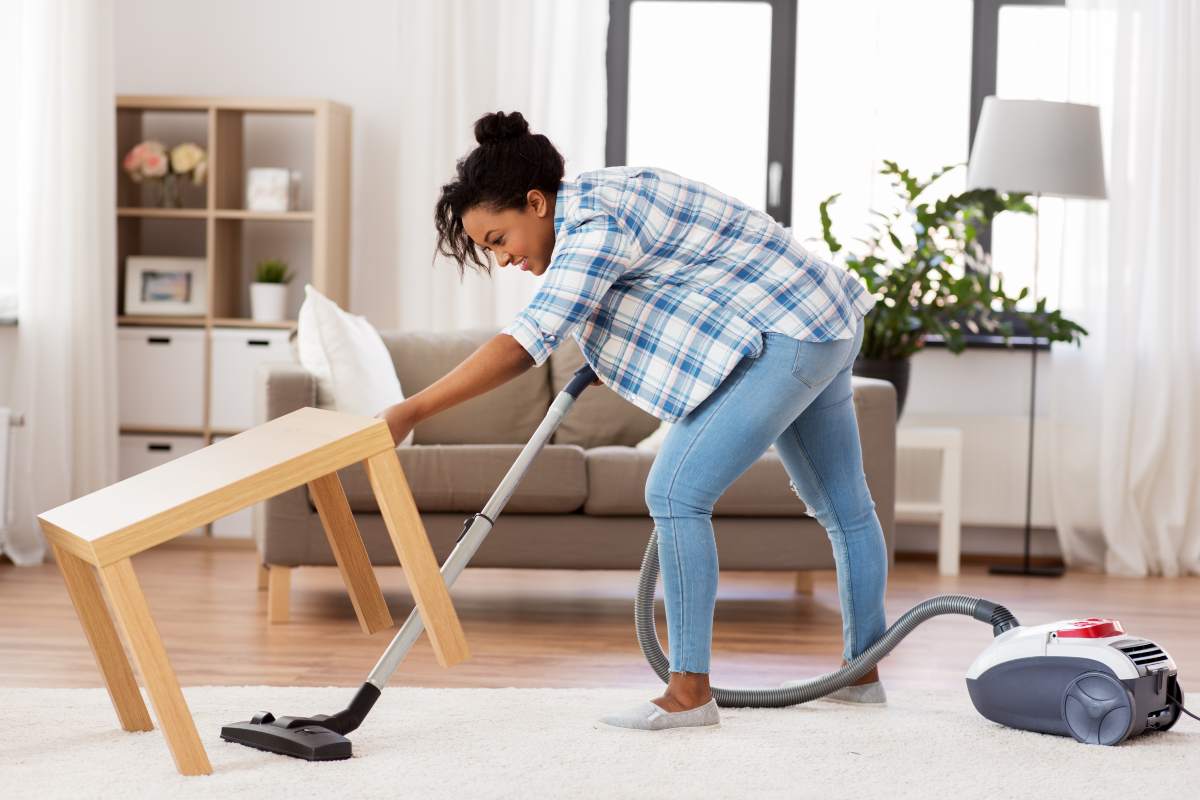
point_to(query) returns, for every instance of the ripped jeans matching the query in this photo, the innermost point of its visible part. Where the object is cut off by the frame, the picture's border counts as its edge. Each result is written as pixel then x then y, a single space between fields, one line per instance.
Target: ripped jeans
pixel 796 395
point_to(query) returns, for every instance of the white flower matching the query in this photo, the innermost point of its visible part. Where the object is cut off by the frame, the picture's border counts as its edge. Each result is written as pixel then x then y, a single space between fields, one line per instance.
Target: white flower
pixel 185 157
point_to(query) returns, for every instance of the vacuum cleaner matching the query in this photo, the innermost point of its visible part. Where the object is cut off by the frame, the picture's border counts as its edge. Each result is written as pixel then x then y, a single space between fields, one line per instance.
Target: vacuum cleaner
pixel 1083 678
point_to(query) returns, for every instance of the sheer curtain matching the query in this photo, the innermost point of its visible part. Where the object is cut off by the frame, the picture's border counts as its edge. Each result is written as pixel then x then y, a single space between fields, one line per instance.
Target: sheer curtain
pixel 1126 407
pixel 65 188
pixel 461 59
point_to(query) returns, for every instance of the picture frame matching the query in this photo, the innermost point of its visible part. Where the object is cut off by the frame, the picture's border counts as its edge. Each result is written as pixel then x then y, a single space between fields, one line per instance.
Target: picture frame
pixel 166 286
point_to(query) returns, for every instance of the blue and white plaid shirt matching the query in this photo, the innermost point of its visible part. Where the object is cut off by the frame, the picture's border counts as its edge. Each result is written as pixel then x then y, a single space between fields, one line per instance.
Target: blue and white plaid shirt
pixel 670 283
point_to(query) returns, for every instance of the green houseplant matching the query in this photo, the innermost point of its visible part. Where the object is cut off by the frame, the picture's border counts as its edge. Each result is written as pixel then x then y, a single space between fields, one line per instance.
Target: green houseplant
pixel 923 262
pixel 268 292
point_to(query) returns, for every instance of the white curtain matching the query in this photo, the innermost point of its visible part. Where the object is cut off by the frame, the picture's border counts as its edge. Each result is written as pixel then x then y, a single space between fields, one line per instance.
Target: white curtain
pixel 65 380
pixel 461 59
pixel 1126 407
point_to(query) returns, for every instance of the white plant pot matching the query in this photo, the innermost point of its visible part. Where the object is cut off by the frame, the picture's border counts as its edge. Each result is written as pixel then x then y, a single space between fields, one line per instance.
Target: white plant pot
pixel 268 301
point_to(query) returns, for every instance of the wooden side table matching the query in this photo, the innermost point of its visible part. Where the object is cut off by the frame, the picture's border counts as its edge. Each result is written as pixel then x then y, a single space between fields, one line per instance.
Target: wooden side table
pixel 948 507
pixel 100 532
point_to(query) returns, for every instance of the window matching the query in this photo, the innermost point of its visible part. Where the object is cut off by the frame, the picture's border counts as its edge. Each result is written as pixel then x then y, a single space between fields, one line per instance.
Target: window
pixel 850 84
pixel 705 88
pixel 876 80
pixel 785 103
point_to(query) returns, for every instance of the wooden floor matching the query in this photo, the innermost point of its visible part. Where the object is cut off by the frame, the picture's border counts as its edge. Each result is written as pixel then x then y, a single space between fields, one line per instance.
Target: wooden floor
pixel 547 628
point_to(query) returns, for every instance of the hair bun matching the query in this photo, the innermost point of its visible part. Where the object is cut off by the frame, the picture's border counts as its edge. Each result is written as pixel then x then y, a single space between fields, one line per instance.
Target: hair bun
pixel 500 127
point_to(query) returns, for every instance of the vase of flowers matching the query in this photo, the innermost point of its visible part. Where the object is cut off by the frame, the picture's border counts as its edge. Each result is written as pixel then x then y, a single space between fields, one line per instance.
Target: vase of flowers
pixel 150 162
pixel 268 292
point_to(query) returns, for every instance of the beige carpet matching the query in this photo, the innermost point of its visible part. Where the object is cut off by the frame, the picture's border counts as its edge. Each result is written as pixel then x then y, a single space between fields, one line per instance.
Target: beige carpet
pixel 544 743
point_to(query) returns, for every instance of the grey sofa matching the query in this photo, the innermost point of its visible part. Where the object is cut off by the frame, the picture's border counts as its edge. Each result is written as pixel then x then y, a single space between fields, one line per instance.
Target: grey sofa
pixel 582 504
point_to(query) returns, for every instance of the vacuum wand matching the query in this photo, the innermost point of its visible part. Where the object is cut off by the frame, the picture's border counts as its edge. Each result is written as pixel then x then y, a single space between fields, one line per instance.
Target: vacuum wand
pixel 480 525
pixel 323 737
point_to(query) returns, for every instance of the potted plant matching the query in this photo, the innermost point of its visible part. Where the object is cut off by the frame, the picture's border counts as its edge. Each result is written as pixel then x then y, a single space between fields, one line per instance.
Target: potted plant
pixel 923 263
pixel 268 292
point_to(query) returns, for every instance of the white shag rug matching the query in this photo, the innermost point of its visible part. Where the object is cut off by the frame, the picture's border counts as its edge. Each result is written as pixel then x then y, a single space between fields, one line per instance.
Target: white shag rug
pixel 521 743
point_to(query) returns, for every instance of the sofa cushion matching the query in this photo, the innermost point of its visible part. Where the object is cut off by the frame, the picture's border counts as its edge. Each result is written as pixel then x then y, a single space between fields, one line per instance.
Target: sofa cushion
pixel 507 414
pixel 599 416
pixel 462 477
pixel 617 486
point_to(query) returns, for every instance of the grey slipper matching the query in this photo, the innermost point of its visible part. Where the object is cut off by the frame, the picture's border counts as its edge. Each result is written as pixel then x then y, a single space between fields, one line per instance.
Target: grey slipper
pixel 870 694
pixel 650 717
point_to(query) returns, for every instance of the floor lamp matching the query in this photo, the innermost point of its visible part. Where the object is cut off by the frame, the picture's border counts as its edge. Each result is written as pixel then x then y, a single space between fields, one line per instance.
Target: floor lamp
pixel 1040 148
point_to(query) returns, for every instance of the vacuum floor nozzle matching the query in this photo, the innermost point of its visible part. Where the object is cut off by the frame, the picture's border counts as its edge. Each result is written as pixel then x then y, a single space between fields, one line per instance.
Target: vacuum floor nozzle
pixel 289 736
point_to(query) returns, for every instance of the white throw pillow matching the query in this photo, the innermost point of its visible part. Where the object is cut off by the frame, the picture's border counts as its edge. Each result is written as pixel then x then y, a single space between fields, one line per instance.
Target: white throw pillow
pixel 347 357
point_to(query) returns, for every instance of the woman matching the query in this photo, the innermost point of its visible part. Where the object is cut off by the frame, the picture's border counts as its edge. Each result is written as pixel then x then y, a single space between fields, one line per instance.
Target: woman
pixel 701 311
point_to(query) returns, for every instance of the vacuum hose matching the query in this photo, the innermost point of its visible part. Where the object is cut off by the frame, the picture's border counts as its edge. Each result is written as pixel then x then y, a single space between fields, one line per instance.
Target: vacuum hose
pixel 999 617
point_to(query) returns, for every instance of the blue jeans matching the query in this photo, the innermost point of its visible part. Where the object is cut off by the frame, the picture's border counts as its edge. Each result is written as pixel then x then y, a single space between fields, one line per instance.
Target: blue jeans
pixel 796 395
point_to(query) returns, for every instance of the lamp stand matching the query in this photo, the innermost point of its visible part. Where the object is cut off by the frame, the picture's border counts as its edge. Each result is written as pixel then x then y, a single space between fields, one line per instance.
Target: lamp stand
pixel 1025 568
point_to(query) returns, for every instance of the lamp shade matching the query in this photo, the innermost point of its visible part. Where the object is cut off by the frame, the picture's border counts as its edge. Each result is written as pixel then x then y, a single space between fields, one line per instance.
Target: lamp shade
pixel 1038 147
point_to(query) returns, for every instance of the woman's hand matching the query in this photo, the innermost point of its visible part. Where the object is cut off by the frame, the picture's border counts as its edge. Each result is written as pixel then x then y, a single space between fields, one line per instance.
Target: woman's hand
pixel 401 418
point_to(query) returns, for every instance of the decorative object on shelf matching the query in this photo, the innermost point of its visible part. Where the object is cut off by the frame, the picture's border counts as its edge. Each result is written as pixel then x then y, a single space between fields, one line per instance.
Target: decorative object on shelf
pixel 929 274
pixel 1037 147
pixel 268 293
pixel 271 189
pixel 165 285
pixel 149 161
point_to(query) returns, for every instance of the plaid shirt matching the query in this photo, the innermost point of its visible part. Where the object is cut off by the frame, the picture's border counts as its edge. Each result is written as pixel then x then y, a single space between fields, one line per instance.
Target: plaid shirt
pixel 668 283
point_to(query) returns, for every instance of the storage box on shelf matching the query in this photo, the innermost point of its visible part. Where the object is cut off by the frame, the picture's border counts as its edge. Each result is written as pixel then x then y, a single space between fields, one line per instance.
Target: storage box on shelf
pixel 161 378
pixel 193 377
pixel 236 355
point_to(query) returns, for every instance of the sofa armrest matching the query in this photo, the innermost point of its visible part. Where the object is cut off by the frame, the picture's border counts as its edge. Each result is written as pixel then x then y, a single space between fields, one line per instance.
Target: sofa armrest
pixel 283 523
pixel 875 408
pixel 281 388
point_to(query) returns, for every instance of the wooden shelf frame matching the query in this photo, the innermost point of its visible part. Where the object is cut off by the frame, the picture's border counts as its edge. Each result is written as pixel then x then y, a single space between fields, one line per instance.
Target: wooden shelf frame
pixel 325 226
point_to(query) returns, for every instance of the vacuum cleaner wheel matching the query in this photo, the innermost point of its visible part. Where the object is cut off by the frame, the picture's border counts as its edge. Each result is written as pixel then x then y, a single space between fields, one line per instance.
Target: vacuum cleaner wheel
pixel 1097 709
pixel 1176 709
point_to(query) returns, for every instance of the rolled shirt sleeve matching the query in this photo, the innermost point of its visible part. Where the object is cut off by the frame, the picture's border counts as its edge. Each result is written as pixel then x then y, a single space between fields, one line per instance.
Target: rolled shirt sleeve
pixel 591 256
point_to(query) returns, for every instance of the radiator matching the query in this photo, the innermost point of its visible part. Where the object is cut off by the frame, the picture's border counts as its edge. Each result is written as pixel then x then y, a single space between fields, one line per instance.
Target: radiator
pixel 8 421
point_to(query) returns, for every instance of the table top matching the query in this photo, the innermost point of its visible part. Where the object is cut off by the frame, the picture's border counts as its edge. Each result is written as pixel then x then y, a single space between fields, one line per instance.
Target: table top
pixel 165 501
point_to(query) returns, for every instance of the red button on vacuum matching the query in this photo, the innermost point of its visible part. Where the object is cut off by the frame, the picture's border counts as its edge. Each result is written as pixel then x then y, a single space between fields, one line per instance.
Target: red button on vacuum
pixel 1091 628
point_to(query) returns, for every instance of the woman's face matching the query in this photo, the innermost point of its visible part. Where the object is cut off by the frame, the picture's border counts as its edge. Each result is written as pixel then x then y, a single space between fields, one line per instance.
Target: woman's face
pixel 524 237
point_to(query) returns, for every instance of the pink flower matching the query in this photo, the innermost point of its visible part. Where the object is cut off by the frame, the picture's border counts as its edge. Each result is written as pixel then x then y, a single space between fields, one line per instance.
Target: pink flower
pixel 154 165
pixel 145 160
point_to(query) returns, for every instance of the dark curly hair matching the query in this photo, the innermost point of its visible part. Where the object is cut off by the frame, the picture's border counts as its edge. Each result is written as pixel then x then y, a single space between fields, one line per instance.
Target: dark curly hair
pixel 508 163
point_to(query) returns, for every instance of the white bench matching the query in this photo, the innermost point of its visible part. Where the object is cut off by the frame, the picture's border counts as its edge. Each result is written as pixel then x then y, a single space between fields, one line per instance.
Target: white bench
pixel 947 509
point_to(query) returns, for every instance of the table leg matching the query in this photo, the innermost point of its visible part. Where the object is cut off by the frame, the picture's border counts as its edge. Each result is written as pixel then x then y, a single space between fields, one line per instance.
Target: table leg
pixel 416 557
pixel 279 594
pixel 93 615
pixel 351 555
pixel 804 582
pixel 129 605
